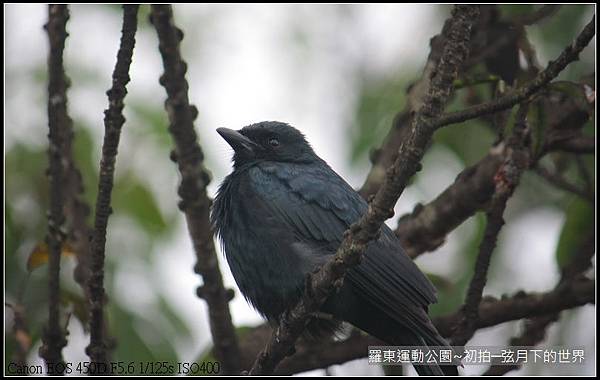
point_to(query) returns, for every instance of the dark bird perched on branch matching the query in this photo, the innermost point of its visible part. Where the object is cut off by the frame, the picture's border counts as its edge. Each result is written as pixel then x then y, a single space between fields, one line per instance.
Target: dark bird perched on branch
pixel 283 211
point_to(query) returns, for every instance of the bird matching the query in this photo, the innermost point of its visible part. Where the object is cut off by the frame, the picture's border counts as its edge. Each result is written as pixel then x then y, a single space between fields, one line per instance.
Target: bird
pixel 282 212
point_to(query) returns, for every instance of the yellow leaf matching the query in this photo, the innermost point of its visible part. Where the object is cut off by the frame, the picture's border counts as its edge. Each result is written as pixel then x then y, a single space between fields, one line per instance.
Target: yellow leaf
pixel 40 254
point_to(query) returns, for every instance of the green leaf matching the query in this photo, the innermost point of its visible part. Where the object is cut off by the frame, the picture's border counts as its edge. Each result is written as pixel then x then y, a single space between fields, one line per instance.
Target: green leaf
pixel 137 201
pixel 175 320
pixel 578 225
pixel 207 354
pixel 510 11
pixel 560 29
pixel 378 103
pixel 131 345
pixel 153 123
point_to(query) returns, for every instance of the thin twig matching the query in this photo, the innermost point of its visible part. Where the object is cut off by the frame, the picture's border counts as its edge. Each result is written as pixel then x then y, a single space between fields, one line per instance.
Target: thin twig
pixel 322 283
pixel 536 16
pixel 534 333
pixel 570 54
pixel 194 179
pixel 561 183
pixel 60 126
pixel 113 122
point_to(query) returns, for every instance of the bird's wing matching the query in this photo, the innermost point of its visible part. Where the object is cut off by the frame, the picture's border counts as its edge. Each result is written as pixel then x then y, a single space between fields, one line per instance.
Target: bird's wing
pixel 318 205
pixel 392 282
pixel 315 204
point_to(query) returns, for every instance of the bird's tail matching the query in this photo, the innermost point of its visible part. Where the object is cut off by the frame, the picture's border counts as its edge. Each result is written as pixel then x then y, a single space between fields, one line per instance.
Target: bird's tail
pixel 432 369
pixel 429 370
pixel 435 369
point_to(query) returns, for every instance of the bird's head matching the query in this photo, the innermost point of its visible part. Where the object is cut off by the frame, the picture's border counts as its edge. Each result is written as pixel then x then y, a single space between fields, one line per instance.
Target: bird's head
pixel 268 141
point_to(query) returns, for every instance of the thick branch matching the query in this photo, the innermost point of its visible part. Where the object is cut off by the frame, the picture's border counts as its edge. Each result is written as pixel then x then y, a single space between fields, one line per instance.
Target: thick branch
pixel 113 121
pixel 577 145
pixel 492 312
pixel 384 157
pixel 60 130
pixel 522 305
pixel 425 229
pixel 194 179
pixel 329 277
pixel 569 54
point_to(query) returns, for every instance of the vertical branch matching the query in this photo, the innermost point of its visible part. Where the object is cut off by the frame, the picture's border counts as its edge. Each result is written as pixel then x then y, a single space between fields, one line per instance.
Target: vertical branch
pixel 506 179
pixel 194 179
pixel 60 130
pixel 113 121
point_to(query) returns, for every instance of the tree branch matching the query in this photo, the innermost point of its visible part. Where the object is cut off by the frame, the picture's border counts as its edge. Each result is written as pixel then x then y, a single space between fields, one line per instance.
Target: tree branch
pixel 426 227
pixel 493 312
pixel 560 182
pixel 576 144
pixel 536 16
pixel 512 31
pixel 569 54
pixel 534 333
pixel 194 179
pixel 384 157
pixel 21 334
pixel 113 121
pixel 60 131
pixel 329 277
pixel 535 328
pixel 309 356
pixel 506 179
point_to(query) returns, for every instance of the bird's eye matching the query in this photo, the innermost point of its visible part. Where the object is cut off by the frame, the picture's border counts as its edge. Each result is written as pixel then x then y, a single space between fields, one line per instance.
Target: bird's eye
pixel 274 142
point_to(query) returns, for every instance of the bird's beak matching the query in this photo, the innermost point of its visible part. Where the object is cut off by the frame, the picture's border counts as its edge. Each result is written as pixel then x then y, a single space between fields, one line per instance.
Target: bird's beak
pixel 237 140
